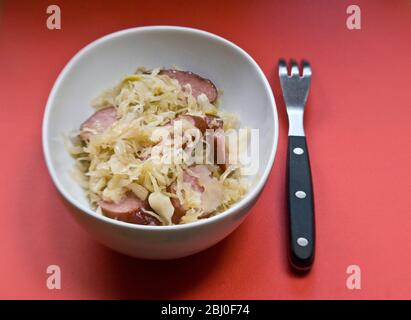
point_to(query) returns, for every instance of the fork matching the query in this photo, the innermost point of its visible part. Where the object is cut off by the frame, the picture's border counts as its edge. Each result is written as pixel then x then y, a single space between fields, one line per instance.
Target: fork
pixel 301 223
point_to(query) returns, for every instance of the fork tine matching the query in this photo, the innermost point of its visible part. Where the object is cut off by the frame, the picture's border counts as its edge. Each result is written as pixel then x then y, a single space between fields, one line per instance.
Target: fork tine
pixel 282 68
pixel 306 69
pixel 294 68
pixel 295 88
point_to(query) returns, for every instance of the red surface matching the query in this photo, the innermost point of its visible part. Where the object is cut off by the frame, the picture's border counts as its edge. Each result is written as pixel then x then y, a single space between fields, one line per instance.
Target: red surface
pixel 359 132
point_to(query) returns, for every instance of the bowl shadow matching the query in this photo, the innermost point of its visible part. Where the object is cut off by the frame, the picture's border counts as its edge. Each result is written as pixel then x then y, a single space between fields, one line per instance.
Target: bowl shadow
pixel 133 278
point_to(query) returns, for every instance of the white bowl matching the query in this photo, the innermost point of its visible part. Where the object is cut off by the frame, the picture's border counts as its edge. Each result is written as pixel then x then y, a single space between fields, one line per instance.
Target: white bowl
pixel 100 65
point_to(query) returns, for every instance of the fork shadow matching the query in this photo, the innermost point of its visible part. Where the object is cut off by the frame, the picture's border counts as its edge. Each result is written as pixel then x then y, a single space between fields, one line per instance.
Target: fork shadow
pixel 132 278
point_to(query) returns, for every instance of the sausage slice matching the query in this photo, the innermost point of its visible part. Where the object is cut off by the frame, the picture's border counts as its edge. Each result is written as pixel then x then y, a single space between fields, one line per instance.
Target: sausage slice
pixel 99 121
pixel 214 122
pixel 130 209
pixel 203 123
pixel 198 84
pixel 196 121
pixel 220 153
pixel 179 210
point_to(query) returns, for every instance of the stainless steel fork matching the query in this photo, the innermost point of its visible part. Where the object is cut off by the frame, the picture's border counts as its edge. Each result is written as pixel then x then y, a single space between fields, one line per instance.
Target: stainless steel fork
pixel 295 89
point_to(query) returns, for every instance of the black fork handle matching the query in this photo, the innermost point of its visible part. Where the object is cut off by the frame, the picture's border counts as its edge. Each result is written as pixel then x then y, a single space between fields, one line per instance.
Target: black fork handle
pixel 300 204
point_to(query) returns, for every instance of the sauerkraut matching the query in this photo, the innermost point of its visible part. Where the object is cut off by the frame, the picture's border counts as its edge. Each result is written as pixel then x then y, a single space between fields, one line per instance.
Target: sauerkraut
pixel 136 154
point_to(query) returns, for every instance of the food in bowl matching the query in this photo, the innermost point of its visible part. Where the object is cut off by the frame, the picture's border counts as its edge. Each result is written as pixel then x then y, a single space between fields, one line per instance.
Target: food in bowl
pixel 155 151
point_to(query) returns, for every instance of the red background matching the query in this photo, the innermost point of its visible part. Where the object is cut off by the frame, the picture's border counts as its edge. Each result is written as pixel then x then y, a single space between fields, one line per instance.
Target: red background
pixel 358 128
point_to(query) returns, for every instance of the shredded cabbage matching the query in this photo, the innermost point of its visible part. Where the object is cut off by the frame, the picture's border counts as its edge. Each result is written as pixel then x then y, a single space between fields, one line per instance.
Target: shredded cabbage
pixel 121 159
